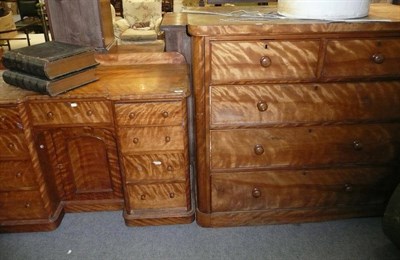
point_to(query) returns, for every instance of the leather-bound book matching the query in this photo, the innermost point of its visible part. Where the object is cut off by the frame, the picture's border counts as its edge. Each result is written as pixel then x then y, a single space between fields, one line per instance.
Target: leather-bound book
pixel 51 87
pixel 49 59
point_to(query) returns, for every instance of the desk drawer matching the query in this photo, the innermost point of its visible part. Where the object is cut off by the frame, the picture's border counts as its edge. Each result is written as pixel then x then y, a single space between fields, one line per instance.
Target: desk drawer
pixel 162 113
pixel 9 118
pixel 21 205
pixel 16 175
pixel 151 139
pixel 74 112
pixel 304 103
pixel 302 189
pixel 360 58
pixel 155 167
pixel 13 145
pixel 255 61
pixel 157 196
pixel 301 146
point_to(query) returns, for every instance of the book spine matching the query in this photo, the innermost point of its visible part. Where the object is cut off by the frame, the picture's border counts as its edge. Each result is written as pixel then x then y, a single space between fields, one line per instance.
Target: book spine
pixel 23 63
pixel 25 81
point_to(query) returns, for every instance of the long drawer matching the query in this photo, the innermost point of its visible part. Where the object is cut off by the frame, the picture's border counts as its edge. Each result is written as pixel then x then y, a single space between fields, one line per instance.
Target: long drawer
pixel 21 205
pixel 304 103
pixel 76 112
pixel 150 167
pixel 157 196
pixel 254 61
pixel 302 188
pixel 150 139
pixel 362 57
pixel 302 146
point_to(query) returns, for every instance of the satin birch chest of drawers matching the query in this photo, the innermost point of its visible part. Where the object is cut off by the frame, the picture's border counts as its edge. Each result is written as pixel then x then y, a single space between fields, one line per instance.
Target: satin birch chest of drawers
pixel 295 120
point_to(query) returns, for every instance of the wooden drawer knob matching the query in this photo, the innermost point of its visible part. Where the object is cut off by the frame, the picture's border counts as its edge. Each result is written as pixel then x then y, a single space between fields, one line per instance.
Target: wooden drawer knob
pixel 170 168
pixel 357 145
pixel 50 115
pixel 89 112
pixel 27 205
pixel 143 196
pixel 2 119
pixel 172 195
pixel 135 140
pixel 131 115
pixel 348 187
pixel 18 174
pixel 11 146
pixel 378 58
pixel 258 149
pixel 167 139
pixel 262 106
pixel 256 193
pixel 265 61
pixel 165 114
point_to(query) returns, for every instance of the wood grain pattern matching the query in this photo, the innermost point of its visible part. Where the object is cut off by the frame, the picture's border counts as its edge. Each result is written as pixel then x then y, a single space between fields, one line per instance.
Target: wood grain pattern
pixel 13 145
pixel 355 58
pixel 9 118
pixel 239 61
pixel 22 205
pixel 304 103
pixel 305 146
pixel 311 188
pixel 16 175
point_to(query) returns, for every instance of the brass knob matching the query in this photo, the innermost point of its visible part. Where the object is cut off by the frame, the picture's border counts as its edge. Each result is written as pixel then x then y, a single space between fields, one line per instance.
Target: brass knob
pixel 50 115
pixel 170 168
pixel 165 114
pixel 256 193
pixel 378 58
pixel 357 145
pixel 11 146
pixel 265 61
pixel 89 112
pixel 18 174
pixel 135 140
pixel 167 139
pixel 259 149
pixel 27 205
pixel 348 187
pixel 171 195
pixel 262 106
pixel 143 196
pixel 131 115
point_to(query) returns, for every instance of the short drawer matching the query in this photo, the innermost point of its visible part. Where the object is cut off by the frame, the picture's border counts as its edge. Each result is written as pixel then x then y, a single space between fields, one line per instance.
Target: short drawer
pixel 54 113
pixel 149 167
pixel 162 113
pixel 13 145
pixel 151 139
pixel 9 118
pixel 16 175
pixel 15 205
pixel 304 103
pixel 301 146
pixel 302 188
pixel 255 61
pixel 157 196
pixel 362 57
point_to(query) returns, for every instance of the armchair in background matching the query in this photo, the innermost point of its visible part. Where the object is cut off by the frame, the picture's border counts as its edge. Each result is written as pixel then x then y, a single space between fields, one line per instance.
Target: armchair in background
pixel 141 23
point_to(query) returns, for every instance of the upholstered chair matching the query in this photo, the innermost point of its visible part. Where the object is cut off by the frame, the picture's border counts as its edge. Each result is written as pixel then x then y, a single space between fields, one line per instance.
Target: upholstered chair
pixel 141 22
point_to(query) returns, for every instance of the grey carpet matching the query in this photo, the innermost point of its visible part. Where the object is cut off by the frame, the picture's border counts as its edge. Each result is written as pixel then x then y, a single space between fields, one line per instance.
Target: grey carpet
pixel 103 235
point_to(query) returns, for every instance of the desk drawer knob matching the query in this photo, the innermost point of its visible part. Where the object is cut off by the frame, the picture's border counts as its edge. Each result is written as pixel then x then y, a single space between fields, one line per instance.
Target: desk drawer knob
pixel 256 193
pixel 170 168
pixel 143 197
pixel 357 145
pixel 27 205
pixel 18 174
pixel 89 112
pixel 262 106
pixel 2 119
pixel 11 146
pixel 131 115
pixel 348 187
pixel 167 139
pixel 135 140
pixel 265 61
pixel 172 195
pixel 165 114
pixel 378 58
pixel 258 149
pixel 50 115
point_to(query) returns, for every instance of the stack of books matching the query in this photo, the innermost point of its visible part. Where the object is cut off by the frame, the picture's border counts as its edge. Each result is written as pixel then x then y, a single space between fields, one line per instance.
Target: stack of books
pixel 50 68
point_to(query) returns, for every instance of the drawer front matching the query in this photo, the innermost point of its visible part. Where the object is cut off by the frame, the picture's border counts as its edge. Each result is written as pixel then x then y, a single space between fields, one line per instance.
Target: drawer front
pixel 355 58
pixel 155 167
pixel 300 103
pixel 157 196
pixel 301 146
pixel 16 205
pixel 9 118
pixel 150 139
pixel 54 113
pixel 13 145
pixel 163 113
pixel 302 189
pixel 16 175
pixel 254 61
